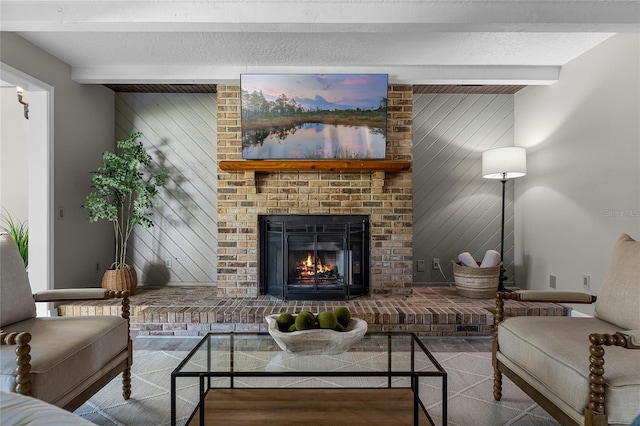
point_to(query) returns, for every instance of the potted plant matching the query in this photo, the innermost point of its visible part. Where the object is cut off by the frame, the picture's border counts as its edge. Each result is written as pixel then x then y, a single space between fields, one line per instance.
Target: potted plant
pixel 124 190
pixel 19 232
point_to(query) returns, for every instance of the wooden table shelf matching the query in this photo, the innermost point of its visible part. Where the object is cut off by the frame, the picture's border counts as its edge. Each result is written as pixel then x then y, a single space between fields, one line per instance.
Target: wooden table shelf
pixel 315 165
pixel 294 407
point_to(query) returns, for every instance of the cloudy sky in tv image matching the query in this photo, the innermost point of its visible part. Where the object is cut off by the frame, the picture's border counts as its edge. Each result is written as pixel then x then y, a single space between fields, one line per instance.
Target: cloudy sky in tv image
pixel 324 91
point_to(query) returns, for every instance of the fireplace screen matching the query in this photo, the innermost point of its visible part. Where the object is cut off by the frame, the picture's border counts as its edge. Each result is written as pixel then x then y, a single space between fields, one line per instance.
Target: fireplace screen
pixel 314 257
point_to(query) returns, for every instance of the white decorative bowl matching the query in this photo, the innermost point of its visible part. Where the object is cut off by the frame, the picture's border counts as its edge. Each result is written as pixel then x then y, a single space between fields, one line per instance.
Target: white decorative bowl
pixel 317 341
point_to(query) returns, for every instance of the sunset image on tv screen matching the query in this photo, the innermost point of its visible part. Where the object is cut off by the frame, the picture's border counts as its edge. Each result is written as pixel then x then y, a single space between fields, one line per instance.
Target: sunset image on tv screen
pixel 314 116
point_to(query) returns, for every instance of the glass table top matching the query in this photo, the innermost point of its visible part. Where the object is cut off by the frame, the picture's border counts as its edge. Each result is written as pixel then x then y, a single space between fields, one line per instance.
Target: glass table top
pixel 255 353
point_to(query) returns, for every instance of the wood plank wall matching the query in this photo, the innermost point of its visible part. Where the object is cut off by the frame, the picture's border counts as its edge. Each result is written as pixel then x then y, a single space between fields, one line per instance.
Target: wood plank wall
pixel 180 134
pixel 454 208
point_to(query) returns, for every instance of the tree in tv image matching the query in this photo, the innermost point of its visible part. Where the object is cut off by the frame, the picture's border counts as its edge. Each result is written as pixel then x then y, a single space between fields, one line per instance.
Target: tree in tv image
pixel 314 116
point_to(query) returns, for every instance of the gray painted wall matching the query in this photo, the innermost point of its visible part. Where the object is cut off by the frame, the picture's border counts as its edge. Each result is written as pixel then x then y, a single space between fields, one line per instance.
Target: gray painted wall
pixel 582 189
pixel 83 119
pixel 455 209
pixel 180 134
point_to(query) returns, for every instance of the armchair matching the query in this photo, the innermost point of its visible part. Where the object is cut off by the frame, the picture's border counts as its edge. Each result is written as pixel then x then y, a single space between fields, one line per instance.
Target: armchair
pixel 60 360
pixel 560 362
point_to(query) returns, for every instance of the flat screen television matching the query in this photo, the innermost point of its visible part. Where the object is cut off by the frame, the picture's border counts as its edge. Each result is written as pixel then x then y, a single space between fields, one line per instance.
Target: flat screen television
pixel 314 116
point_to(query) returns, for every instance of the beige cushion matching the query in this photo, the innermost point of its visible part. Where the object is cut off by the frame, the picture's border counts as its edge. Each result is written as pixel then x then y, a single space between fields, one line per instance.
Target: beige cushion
pixel 16 409
pixel 619 298
pixel 65 353
pixel 554 351
pixel 16 301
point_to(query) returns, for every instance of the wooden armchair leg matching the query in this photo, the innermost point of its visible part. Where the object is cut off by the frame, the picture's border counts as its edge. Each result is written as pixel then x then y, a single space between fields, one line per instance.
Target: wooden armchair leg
pixel 126 374
pixel 497 384
pixel 497 319
pixel 126 383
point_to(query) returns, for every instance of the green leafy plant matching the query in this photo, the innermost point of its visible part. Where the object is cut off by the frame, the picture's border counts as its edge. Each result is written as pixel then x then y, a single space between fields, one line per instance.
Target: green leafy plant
pixel 124 189
pixel 19 231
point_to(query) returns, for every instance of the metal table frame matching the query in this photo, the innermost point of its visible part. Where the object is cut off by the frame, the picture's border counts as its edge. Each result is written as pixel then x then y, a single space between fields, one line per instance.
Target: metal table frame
pixel 205 377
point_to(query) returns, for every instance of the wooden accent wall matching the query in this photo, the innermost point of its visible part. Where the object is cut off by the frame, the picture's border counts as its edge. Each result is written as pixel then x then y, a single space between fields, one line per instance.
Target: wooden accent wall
pixel 180 135
pixel 455 210
pixel 385 197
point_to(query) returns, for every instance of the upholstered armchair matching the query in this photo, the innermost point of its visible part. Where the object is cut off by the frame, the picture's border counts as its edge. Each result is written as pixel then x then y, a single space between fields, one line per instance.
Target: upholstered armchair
pixel 60 360
pixel 580 370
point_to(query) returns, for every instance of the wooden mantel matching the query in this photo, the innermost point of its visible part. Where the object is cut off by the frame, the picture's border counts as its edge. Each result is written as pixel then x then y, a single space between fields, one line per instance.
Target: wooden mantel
pixel 315 165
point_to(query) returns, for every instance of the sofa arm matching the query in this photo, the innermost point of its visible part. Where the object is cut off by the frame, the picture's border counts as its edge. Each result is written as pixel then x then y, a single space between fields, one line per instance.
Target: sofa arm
pixel 554 296
pixel 596 406
pixel 23 359
pixel 77 294
pixel 538 296
pixel 633 338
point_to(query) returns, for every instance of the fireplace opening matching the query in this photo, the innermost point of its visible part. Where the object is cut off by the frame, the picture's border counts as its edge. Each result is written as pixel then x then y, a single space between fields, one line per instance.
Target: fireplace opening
pixel 314 257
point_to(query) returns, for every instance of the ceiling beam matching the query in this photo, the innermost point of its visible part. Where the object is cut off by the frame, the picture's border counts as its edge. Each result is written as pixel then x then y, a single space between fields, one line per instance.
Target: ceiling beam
pixel 491 74
pixel 417 88
pixel 315 16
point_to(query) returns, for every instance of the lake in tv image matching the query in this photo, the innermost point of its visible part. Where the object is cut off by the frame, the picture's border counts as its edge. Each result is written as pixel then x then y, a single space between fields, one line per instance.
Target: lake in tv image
pixel 314 116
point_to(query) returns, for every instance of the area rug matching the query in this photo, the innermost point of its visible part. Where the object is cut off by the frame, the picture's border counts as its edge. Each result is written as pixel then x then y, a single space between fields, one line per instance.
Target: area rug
pixel 470 394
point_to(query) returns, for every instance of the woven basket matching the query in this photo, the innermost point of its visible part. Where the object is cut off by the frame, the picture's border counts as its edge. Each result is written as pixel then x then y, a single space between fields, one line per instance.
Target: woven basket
pixel 476 283
pixel 120 279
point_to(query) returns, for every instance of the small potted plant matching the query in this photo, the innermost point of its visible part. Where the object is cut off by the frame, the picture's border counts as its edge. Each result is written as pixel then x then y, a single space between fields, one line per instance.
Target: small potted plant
pixel 19 232
pixel 124 190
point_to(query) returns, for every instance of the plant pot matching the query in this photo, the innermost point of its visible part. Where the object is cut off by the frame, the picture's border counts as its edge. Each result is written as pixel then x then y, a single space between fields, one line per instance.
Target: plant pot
pixel 120 279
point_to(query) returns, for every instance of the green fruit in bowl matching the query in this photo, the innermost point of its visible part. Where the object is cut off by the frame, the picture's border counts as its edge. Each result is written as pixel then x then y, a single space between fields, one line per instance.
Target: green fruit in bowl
pixel 340 327
pixel 305 321
pixel 292 328
pixel 327 320
pixel 342 315
pixel 285 320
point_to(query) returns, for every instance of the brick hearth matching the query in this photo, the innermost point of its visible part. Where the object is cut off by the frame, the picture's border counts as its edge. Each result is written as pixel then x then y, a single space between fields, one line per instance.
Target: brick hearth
pixel 194 311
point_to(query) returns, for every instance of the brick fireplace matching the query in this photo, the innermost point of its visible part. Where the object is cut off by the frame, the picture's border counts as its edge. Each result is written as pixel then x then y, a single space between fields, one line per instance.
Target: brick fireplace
pixel 386 198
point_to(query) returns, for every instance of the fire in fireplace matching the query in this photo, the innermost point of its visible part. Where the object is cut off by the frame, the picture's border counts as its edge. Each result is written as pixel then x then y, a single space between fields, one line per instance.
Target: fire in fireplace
pixel 310 269
pixel 314 257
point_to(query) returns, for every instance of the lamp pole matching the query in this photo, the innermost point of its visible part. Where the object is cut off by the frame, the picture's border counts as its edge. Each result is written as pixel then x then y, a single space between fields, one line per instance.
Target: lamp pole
pixel 504 164
pixel 502 278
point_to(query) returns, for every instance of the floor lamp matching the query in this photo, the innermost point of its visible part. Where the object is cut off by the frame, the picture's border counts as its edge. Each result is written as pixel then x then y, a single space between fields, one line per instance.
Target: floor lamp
pixel 504 163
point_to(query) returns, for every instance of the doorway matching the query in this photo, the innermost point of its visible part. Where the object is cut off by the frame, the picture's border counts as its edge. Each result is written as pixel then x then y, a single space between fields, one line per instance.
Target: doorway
pixel 40 177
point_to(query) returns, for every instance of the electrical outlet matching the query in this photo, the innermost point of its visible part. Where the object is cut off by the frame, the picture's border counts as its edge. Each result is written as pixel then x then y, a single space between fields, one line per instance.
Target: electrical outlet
pixel 167 263
pixel 435 263
pixel 586 281
pixel 552 281
pixel 420 266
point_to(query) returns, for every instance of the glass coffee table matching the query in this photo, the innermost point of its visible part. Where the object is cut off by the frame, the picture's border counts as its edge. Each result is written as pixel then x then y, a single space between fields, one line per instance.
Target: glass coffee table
pixel 245 378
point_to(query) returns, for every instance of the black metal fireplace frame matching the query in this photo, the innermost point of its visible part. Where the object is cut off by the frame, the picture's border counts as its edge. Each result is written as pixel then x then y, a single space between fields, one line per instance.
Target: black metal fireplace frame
pixel 294 225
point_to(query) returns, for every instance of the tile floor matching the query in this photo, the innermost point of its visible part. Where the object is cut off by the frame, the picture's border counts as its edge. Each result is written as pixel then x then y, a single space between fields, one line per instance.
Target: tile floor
pixel 467 361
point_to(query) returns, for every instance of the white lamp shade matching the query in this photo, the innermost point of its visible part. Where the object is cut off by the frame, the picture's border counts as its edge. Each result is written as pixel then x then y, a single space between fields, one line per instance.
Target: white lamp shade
pixel 504 163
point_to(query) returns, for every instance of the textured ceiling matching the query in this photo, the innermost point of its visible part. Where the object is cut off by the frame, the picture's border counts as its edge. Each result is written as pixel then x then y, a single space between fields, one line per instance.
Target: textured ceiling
pixel 415 42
